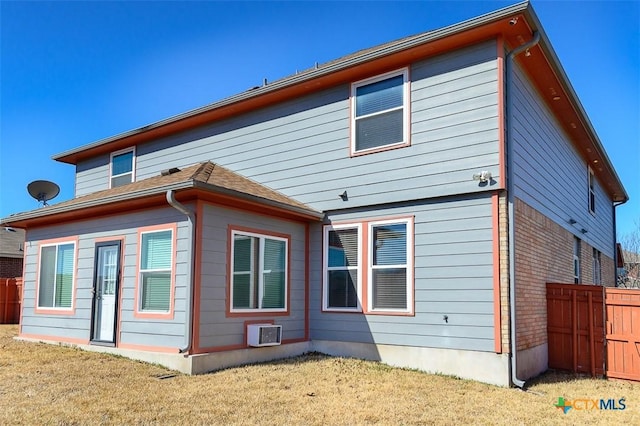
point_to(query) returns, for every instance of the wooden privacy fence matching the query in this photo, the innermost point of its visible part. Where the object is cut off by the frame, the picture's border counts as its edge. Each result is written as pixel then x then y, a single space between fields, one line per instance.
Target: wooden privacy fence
pixel 575 327
pixel 10 300
pixel 577 338
pixel 623 333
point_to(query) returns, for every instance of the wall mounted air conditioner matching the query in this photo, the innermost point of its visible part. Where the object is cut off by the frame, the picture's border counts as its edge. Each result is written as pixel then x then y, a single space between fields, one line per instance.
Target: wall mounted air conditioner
pixel 264 335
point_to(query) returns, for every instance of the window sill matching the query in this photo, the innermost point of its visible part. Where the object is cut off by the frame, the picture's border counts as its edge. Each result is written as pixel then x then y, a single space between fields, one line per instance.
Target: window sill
pixel 380 149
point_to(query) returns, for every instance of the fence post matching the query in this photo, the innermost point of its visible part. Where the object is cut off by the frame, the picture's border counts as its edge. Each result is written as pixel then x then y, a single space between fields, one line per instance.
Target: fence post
pixel 6 301
pixel 592 343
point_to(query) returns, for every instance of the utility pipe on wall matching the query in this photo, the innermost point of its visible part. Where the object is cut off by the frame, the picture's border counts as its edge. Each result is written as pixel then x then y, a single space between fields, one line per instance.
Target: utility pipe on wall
pixel 510 198
pixel 190 272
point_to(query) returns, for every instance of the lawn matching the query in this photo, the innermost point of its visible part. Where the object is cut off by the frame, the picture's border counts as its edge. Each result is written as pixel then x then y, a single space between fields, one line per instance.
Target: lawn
pixel 48 384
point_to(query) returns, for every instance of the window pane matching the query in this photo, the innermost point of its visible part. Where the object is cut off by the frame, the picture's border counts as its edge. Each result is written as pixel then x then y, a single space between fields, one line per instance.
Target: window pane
pixel 156 250
pixel 379 96
pixel 242 291
pixel 245 258
pixel 390 288
pixel 121 180
pixel 47 276
pixel 64 276
pixel 342 289
pixel 122 163
pixel 156 291
pixel 273 292
pixel 390 244
pixel 343 247
pixel 379 130
pixel 244 253
pixel 274 274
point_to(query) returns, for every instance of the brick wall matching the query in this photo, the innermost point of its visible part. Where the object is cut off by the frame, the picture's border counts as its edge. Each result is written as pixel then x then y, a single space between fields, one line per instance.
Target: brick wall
pixel 544 253
pixel 10 267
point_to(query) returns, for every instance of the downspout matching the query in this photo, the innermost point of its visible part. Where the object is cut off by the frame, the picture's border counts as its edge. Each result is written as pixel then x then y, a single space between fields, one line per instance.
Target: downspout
pixel 615 243
pixel 191 255
pixel 510 198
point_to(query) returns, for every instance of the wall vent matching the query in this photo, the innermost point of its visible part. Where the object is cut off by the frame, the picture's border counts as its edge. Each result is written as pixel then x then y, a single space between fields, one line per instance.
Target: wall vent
pixel 259 335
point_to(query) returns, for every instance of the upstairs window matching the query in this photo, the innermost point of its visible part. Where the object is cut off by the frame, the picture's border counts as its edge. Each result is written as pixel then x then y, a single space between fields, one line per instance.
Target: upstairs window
pixel 122 167
pixel 592 192
pixel 56 275
pixel 259 278
pixel 380 112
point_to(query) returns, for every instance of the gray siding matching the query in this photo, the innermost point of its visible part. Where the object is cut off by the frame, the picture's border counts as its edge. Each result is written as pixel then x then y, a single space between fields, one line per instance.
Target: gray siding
pixel 154 332
pixel 301 147
pixel 453 276
pixel 550 175
pixel 216 329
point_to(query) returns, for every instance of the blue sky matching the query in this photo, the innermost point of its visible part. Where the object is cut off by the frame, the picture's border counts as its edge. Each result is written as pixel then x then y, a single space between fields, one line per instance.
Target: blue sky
pixel 72 73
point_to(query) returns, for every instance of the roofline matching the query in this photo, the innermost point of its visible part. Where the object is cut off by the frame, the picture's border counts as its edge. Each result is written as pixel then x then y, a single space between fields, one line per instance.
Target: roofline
pixel 301 84
pixel 25 217
pixel 313 74
pixel 563 79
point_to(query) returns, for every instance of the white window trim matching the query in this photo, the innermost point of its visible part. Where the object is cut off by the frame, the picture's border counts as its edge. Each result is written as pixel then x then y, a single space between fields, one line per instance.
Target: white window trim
pixel 73 276
pixel 326 268
pixel 409 265
pixel 591 183
pixel 405 105
pixel 141 271
pixel 261 238
pixel 133 165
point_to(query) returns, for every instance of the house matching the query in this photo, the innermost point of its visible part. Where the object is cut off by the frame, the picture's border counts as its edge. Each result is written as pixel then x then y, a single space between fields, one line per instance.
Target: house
pixel 407 203
pixel 11 252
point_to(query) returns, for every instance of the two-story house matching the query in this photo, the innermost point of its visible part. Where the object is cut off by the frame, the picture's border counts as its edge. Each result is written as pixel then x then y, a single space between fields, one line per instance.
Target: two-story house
pixel 407 203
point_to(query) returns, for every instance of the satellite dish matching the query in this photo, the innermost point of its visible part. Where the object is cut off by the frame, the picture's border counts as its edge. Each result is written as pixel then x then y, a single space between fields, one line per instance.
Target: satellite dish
pixel 43 190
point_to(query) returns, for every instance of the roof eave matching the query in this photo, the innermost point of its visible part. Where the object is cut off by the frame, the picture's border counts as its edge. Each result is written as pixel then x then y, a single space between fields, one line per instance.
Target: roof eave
pixel 20 219
pixel 563 79
pixel 350 62
pixel 308 213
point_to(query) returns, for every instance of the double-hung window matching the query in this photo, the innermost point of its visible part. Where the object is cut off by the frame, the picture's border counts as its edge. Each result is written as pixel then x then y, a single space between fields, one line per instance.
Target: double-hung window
pixel 122 167
pixel 380 112
pixel 259 265
pixel 389 267
pixel 368 266
pixel 342 269
pixel 56 275
pixel 577 248
pixel 597 268
pixel 156 260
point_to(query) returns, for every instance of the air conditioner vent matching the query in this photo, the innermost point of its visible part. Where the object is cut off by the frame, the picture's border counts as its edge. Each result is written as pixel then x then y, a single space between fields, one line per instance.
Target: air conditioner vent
pixel 264 335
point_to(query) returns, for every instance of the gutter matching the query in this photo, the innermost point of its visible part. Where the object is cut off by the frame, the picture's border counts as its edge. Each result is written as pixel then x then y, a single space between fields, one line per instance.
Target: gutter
pixel 510 200
pixel 171 199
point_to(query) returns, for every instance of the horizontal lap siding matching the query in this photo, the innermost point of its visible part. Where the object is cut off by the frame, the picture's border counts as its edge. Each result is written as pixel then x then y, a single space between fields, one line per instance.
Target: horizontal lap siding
pixel 152 332
pixel 215 328
pixel 301 147
pixel 550 175
pixel 453 277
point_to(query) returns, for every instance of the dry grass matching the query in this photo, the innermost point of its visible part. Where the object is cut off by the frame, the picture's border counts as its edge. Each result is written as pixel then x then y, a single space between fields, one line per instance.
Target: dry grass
pixel 45 384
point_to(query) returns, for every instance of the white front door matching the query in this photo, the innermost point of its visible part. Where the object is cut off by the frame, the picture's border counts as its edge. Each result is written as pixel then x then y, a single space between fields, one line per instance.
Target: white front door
pixel 106 280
